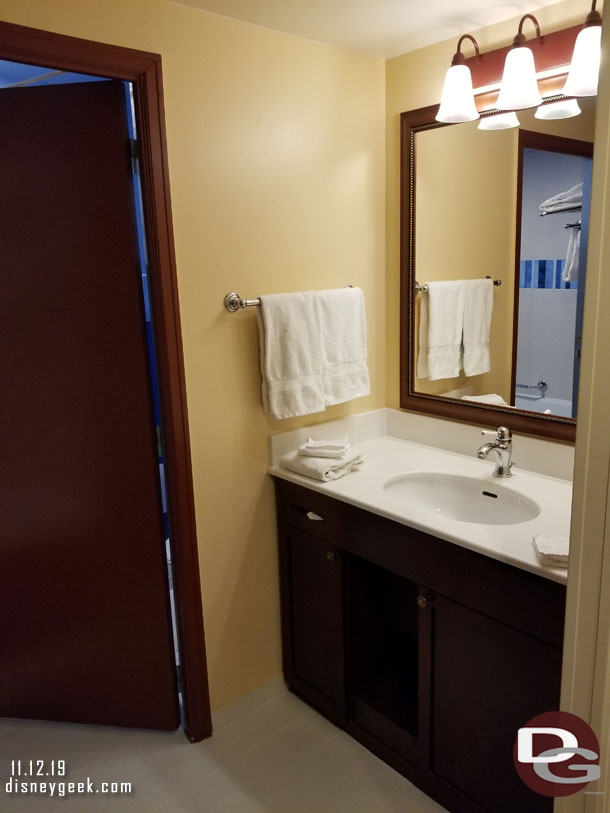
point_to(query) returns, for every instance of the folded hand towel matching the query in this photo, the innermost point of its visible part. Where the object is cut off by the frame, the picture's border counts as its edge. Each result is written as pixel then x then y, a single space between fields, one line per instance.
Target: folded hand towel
pixel 478 306
pixel 564 200
pixel 325 448
pixel 443 312
pixel 291 354
pixel 343 325
pixel 552 550
pixel 319 468
pixel 492 398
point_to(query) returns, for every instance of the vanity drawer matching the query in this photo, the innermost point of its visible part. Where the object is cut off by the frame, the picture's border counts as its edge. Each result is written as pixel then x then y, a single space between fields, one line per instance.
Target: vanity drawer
pixel 316 514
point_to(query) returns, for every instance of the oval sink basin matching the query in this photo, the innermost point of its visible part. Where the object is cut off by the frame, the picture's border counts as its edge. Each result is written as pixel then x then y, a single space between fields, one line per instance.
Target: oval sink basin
pixel 465 499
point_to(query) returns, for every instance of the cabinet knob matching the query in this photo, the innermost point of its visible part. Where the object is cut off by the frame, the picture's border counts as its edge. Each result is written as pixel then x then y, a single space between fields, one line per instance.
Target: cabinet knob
pixel 421 601
pixel 330 556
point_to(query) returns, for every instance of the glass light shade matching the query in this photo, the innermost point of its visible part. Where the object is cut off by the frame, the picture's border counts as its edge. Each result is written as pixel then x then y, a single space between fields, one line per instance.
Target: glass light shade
pixel 457 100
pixel 565 109
pixel 584 70
pixel 499 121
pixel 519 89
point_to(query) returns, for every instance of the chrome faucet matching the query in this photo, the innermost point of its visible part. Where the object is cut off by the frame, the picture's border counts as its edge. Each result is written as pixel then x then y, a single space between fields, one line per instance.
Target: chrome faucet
pixel 503 447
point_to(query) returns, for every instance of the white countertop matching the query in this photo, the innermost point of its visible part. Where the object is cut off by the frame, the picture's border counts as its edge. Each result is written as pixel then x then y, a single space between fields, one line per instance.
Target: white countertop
pixel 387 457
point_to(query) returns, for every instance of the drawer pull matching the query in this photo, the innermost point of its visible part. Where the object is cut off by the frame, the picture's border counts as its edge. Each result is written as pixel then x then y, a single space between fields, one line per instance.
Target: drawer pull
pixel 421 601
pixel 305 512
pixel 330 556
pixel 317 517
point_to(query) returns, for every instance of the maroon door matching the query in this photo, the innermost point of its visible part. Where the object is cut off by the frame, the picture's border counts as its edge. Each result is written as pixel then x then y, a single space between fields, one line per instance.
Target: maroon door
pixel 85 632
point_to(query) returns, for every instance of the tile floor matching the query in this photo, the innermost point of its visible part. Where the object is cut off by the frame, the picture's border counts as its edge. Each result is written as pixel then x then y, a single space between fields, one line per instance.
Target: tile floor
pixel 270 753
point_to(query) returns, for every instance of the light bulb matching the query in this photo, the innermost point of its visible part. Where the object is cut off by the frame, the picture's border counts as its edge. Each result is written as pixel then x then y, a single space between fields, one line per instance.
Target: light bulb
pixel 499 121
pixel 457 100
pixel 584 70
pixel 565 109
pixel 519 89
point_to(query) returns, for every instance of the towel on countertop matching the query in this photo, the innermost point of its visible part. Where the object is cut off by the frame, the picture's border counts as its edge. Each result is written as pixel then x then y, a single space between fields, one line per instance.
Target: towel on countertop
pixel 570 271
pixel 552 550
pixel 313 350
pixel 440 331
pixel 478 306
pixel 491 398
pixel 342 318
pixel 564 200
pixel 320 468
pixel 325 448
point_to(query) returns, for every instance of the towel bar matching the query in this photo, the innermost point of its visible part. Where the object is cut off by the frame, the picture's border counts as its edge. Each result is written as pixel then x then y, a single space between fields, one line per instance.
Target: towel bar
pixel 233 302
pixel 422 289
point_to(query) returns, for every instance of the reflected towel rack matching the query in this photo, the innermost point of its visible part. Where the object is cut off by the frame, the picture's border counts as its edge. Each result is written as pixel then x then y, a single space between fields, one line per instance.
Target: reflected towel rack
pixel 572 226
pixel 422 289
pixel 233 302
pixel 577 208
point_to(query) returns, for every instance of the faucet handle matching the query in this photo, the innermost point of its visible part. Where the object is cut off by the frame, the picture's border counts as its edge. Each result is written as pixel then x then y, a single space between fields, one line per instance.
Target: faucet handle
pixel 504 434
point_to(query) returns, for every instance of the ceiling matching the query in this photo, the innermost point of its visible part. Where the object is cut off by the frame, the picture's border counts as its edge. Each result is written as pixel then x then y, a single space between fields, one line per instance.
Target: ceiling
pixel 381 28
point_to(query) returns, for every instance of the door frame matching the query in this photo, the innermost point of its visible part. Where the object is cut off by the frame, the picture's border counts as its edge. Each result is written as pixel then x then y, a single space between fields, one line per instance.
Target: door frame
pixel 143 69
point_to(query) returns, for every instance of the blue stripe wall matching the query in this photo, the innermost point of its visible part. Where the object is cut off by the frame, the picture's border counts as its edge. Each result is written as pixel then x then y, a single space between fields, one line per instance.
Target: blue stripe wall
pixel 544 274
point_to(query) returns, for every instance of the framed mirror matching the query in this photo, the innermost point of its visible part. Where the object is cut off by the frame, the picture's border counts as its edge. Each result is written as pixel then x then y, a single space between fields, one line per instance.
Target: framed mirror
pixel 495 204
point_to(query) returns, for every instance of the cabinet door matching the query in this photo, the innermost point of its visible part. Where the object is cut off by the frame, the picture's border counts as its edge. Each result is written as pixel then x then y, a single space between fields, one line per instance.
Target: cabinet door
pixel 311 581
pixel 488 680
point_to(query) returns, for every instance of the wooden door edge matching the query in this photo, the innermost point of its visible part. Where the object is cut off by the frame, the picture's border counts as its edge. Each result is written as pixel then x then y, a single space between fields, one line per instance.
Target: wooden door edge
pixel 33 46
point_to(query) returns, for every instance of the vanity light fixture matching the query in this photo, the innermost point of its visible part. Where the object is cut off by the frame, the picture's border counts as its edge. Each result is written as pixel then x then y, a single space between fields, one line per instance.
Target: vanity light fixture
pixel 584 68
pixel 563 109
pixel 519 88
pixel 457 100
pixel 499 121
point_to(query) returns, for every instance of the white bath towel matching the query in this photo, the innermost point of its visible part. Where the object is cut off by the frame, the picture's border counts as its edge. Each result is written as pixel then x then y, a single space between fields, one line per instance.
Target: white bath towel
pixel 325 448
pixel 570 270
pixel 564 200
pixel 478 307
pixel 442 310
pixel 343 324
pixel 552 550
pixel 320 468
pixel 292 360
pixel 491 398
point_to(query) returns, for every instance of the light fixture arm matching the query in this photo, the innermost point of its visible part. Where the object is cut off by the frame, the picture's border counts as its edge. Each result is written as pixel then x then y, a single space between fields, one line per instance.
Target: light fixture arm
pixel 520 39
pixel 593 17
pixel 458 57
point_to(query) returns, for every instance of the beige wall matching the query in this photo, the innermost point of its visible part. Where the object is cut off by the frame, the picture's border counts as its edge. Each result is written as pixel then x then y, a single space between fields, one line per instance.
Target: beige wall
pixel 415 80
pixel 277 171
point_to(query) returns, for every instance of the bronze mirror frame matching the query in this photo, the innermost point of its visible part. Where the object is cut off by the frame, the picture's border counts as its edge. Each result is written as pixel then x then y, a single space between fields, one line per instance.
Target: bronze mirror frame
pixel 554 50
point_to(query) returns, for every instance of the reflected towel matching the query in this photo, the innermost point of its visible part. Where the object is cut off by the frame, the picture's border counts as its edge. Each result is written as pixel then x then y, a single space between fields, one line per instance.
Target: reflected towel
pixel 570 271
pixel 441 317
pixel 491 398
pixel 478 307
pixel 564 200
pixel 320 468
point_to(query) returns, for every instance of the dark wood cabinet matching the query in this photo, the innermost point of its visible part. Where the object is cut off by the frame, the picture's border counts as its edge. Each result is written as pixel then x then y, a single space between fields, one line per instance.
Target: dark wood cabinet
pixel 312 620
pixel 488 679
pixel 430 655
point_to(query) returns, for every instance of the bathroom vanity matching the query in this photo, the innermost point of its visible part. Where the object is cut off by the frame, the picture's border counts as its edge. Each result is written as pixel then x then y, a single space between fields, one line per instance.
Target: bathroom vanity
pixel 430 654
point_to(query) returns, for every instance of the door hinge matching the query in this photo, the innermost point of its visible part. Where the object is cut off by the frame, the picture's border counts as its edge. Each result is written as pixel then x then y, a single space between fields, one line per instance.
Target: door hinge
pixel 134 155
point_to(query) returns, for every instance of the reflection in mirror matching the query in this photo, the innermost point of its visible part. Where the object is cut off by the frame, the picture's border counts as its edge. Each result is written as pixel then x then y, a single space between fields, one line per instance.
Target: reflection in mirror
pixel 552 252
pixel 478 214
